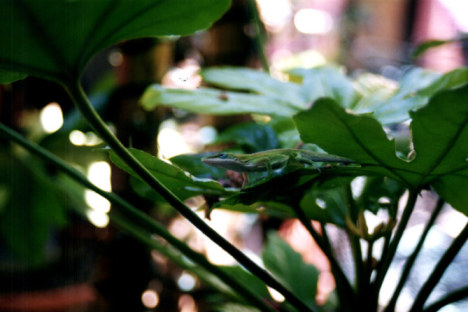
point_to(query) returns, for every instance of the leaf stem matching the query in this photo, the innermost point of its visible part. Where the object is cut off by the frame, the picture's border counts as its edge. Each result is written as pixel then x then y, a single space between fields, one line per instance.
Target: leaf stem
pixel 410 261
pixel 88 112
pixel 355 241
pixel 260 35
pixel 389 254
pixel 439 270
pixel 129 210
pixel 447 299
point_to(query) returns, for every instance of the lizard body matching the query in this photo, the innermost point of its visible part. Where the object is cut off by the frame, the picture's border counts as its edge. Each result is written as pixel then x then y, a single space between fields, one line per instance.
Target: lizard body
pixel 271 160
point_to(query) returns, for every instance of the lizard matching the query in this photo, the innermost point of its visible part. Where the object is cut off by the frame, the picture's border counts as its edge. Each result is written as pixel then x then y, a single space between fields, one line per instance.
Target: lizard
pixel 270 160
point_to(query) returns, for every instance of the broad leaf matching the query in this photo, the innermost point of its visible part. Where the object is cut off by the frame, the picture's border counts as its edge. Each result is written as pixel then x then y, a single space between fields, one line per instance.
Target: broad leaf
pixel 415 90
pixel 358 137
pixel 56 39
pixel 440 140
pixel 287 265
pixel 244 79
pixel 216 102
pixel 326 82
pixel 7 76
pixel 181 184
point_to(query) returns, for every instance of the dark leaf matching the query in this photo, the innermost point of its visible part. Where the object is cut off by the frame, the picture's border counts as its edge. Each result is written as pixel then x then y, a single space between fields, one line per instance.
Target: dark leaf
pixel 56 39
pixel 287 265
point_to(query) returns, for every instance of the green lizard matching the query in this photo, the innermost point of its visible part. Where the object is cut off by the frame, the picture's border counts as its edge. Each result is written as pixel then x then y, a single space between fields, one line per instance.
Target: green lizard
pixel 271 160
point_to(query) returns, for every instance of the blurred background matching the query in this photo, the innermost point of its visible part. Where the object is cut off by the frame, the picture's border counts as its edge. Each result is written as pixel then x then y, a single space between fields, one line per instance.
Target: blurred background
pixel 69 262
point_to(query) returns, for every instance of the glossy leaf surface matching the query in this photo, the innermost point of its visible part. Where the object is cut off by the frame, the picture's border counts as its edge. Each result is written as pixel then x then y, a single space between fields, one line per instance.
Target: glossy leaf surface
pixel 56 39
pixel 440 139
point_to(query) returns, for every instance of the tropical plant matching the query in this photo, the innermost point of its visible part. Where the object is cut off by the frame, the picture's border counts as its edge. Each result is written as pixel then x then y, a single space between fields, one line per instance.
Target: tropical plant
pixel 321 107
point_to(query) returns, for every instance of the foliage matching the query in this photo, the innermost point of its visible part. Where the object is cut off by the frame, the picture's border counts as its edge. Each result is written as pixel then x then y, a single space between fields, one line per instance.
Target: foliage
pixel 320 109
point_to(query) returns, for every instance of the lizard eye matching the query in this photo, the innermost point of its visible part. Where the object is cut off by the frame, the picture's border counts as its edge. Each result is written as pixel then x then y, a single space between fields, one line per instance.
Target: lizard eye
pixel 222 156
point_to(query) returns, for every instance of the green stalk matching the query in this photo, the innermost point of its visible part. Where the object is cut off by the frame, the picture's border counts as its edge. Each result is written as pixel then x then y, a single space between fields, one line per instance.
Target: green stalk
pixel 439 270
pixel 260 37
pixel 143 219
pixel 392 247
pixel 346 292
pixel 410 261
pixel 355 241
pixel 454 296
pixel 81 101
pixel 369 262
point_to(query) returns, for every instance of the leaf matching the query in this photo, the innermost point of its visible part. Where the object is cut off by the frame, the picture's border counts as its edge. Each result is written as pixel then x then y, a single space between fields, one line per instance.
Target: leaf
pixel 416 88
pixel 56 39
pixel 358 137
pixel 440 134
pixel 175 179
pixel 245 79
pixel 287 265
pixel 326 81
pixel 251 137
pixel 325 205
pixel 32 209
pixel 7 76
pixel 423 47
pixel 440 140
pixel 251 282
pixel 216 102
pixel 380 192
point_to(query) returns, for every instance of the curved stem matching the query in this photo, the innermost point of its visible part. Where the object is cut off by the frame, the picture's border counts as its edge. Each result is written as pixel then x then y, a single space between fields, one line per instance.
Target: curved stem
pixel 454 296
pixel 88 112
pixel 410 261
pixel 392 247
pixel 439 270
pixel 260 35
pixel 129 210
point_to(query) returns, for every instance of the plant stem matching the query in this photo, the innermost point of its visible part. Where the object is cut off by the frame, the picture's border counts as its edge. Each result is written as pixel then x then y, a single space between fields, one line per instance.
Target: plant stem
pixel 260 35
pixel 346 292
pixel 439 270
pixel 410 261
pixel 447 299
pixel 354 241
pixel 369 262
pixel 131 211
pixel 389 253
pixel 95 121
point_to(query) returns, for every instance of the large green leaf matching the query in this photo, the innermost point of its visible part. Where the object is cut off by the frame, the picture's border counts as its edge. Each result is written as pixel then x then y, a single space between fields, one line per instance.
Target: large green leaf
pixel 217 102
pixel 180 183
pixel 56 39
pixel 245 79
pixel 440 140
pixel 414 91
pixel 326 81
pixel 358 137
pixel 287 265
